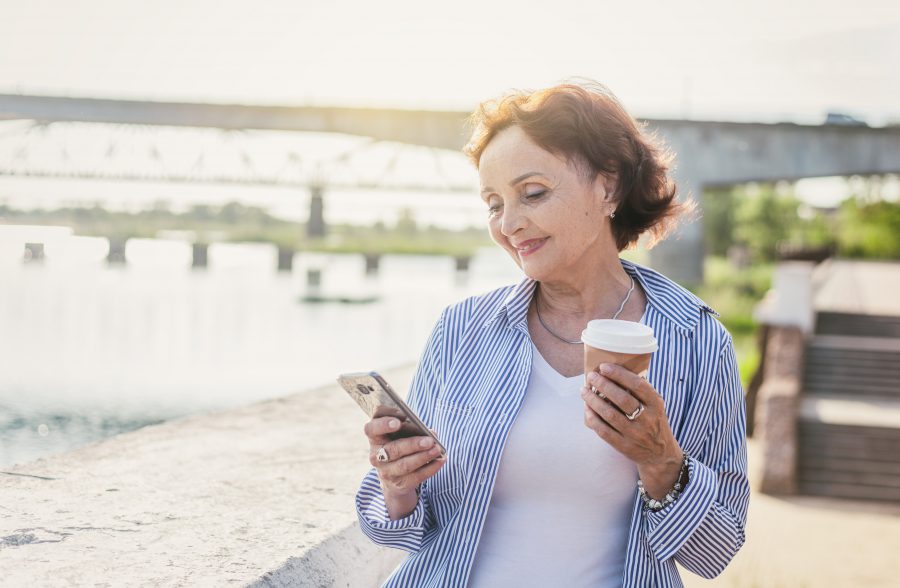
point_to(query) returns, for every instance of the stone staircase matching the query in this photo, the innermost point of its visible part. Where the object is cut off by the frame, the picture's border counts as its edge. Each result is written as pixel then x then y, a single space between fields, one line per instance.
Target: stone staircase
pixel 849 425
pixel 861 325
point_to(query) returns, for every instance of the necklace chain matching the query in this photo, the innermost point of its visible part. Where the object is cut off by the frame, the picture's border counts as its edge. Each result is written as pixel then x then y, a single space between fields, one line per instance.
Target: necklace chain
pixel 537 308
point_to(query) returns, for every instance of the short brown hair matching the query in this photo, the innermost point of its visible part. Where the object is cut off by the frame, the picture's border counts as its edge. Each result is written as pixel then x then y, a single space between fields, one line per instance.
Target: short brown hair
pixel 585 123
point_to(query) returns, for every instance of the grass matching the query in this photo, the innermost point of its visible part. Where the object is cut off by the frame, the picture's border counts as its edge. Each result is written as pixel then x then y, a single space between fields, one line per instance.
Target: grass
pixel 429 241
pixel 236 223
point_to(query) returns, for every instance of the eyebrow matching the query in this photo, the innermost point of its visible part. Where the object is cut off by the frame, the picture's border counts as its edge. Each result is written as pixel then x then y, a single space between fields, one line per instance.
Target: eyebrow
pixel 515 181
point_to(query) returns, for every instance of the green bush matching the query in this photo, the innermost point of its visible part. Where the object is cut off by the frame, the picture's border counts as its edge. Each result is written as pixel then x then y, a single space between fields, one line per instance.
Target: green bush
pixel 869 230
pixel 765 220
pixel 719 206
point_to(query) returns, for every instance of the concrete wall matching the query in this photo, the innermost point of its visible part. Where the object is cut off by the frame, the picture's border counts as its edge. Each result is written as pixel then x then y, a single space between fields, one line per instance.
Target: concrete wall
pixel 260 495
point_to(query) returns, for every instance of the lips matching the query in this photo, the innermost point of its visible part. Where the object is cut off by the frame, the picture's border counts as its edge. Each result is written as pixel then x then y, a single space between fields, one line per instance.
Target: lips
pixel 530 246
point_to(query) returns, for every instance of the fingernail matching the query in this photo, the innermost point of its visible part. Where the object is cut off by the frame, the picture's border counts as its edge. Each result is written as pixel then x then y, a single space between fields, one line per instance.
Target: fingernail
pixel 394 424
pixel 426 442
pixel 592 377
pixel 435 450
pixel 605 369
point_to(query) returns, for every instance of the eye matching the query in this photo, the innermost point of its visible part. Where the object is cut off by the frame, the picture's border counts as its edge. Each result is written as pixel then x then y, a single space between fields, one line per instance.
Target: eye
pixel 493 210
pixel 535 194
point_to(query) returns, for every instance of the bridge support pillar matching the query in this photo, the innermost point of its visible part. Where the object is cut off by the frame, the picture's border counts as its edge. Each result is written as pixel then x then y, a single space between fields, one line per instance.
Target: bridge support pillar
pixel 116 253
pixel 680 256
pixel 313 279
pixel 285 259
pixel 200 255
pixel 462 263
pixel 373 260
pixel 315 227
pixel 34 252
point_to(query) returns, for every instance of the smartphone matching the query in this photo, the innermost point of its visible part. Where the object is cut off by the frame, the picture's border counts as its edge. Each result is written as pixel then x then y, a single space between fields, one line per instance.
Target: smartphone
pixel 377 399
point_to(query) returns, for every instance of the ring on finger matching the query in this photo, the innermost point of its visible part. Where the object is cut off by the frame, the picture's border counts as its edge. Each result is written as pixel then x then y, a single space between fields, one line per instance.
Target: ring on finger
pixel 382 455
pixel 598 392
pixel 637 412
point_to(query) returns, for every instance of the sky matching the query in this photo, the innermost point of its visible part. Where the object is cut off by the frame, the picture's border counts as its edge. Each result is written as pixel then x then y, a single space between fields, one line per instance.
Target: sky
pixel 767 60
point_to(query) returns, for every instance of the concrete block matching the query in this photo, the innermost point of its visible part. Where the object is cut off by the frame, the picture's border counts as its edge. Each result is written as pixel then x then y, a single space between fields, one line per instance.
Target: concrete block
pixel 260 495
pixel 790 301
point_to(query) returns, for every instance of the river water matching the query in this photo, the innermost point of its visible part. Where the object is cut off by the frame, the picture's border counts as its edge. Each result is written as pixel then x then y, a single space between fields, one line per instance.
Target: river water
pixel 89 350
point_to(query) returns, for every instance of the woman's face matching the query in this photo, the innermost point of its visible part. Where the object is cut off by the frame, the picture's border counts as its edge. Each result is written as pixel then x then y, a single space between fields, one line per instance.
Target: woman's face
pixel 541 209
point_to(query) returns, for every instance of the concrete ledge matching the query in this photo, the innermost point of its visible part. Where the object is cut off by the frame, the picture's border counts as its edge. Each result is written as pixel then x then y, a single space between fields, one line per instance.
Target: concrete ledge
pixel 261 495
pixel 849 411
pixel 347 559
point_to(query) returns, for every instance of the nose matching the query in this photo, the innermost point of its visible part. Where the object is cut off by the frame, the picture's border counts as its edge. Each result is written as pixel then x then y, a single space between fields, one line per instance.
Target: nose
pixel 512 220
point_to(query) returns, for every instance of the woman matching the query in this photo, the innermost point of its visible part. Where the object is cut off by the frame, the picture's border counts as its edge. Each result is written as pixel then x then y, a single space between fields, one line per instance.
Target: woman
pixel 551 481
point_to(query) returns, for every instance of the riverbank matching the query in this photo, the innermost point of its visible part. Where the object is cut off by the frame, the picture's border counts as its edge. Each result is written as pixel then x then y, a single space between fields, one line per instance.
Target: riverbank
pixel 236 223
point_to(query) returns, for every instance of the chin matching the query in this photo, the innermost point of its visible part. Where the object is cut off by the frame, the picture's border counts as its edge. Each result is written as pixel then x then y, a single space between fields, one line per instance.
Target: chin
pixel 535 270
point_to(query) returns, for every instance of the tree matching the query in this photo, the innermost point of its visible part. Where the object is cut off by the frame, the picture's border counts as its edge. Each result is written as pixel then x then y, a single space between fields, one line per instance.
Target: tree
pixel 764 218
pixel 869 230
pixel 406 222
pixel 718 219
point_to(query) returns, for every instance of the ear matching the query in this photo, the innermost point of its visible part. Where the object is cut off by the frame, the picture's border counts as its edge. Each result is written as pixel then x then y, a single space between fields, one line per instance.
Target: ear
pixel 605 187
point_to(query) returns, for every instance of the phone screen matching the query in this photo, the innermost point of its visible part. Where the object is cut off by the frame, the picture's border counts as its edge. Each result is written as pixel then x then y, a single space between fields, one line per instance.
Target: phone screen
pixel 376 397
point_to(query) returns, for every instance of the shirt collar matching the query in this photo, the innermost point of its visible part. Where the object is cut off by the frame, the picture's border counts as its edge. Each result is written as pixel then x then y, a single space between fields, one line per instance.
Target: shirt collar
pixel 666 297
pixel 515 306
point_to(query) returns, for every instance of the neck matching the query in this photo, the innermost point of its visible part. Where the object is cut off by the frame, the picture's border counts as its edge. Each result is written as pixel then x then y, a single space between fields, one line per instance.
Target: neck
pixel 590 294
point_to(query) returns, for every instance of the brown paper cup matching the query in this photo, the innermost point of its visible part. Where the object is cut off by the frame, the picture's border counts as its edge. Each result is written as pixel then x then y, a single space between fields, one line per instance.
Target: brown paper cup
pixel 639 364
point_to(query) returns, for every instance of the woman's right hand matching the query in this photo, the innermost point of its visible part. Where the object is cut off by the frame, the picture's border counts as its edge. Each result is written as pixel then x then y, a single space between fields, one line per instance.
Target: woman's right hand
pixel 411 461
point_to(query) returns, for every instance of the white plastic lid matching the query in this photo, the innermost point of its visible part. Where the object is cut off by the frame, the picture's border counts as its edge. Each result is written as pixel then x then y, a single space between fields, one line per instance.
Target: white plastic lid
pixel 619 336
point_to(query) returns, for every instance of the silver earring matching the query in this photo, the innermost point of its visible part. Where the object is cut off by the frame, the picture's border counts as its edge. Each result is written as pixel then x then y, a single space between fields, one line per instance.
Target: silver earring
pixel 612 214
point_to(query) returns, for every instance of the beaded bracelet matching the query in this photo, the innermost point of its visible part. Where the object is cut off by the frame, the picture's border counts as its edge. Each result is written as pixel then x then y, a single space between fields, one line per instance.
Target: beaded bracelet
pixel 657 505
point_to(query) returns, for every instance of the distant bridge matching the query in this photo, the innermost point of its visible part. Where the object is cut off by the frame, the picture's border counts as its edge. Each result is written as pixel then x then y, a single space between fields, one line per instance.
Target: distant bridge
pixel 709 153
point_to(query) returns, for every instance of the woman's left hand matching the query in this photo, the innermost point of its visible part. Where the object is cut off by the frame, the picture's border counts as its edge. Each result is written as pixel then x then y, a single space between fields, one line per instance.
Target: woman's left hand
pixel 647 440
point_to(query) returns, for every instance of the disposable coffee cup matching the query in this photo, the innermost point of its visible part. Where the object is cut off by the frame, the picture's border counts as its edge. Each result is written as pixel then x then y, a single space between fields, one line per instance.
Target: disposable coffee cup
pixel 624 343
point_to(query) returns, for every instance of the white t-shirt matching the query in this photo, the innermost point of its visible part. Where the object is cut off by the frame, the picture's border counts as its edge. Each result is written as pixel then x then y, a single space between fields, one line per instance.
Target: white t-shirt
pixel 562 502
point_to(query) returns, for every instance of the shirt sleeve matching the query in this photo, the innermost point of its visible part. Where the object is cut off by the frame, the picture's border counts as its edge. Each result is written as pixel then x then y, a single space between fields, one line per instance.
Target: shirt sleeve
pixel 705 527
pixel 409 532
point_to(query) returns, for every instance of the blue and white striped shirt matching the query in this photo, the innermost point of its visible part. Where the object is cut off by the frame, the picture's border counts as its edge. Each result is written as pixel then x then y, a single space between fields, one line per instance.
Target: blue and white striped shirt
pixel 469 385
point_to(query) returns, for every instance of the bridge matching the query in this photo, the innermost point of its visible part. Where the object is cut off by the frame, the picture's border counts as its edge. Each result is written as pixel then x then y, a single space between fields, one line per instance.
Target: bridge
pixel 708 153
